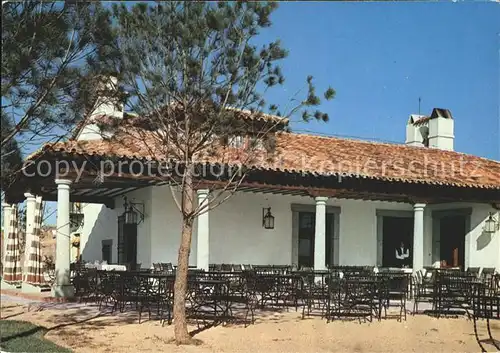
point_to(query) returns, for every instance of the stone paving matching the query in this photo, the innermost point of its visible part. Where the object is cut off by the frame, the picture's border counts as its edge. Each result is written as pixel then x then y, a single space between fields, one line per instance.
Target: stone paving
pixel 42 305
pixel 18 299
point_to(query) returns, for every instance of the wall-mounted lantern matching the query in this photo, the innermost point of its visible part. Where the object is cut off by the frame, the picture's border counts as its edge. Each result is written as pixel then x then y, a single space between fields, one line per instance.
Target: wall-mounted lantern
pixel 133 212
pixel 75 242
pixel 267 218
pixel 491 225
pixel 76 216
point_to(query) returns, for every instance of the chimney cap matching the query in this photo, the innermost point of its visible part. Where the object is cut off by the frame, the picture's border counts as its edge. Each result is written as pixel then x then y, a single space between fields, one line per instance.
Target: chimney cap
pixel 414 118
pixel 441 113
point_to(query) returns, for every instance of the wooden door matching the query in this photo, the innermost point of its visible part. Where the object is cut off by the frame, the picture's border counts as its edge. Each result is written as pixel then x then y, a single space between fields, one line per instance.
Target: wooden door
pixel 306 239
pixel 452 241
pixel 329 261
pixel 127 243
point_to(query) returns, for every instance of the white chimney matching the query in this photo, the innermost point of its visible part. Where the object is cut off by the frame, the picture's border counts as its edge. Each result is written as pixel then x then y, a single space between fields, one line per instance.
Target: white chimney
pixel 107 104
pixel 417 130
pixel 441 129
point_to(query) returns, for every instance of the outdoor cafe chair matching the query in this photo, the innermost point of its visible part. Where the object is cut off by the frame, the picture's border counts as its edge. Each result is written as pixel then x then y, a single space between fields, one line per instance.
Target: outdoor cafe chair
pixel 474 271
pixel 485 306
pixel 393 292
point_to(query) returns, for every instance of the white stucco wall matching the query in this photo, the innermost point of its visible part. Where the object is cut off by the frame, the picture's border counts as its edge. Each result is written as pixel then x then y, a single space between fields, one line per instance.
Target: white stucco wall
pixel 244 232
pixel 484 248
pixel 100 223
pixel 237 235
pixel 166 228
pixel 358 229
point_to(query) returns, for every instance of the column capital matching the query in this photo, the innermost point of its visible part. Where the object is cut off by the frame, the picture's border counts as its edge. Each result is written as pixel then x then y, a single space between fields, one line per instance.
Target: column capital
pixel 202 192
pixel 63 182
pixel 321 199
pixel 419 206
pixel 6 205
pixel 29 196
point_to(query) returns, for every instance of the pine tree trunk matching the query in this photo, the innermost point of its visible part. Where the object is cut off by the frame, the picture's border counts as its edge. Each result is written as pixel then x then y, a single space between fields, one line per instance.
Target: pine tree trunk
pixel 180 287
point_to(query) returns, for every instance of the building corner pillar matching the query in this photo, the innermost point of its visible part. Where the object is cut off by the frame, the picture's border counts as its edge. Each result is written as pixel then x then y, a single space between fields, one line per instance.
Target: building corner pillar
pixel 28 236
pixel 8 209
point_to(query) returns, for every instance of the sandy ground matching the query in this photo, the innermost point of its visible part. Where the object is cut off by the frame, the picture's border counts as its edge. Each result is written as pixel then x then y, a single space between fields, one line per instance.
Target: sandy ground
pixel 83 329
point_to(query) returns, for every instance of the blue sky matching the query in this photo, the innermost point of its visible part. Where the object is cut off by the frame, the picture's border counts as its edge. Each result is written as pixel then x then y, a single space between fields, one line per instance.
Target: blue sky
pixel 380 57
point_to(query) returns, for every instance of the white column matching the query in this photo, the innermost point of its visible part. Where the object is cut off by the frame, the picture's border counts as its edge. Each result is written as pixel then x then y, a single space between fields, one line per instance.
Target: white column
pixel 30 219
pixel 320 234
pixel 203 241
pixel 418 236
pixel 7 214
pixel 62 285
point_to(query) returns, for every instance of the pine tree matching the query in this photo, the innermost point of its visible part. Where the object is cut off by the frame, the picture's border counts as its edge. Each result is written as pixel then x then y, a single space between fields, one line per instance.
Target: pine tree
pixel 50 53
pixel 197 82
pixel 10 153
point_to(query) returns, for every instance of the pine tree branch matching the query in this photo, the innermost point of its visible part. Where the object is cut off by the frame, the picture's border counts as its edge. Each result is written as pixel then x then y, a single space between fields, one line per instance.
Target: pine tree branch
pixel 27 115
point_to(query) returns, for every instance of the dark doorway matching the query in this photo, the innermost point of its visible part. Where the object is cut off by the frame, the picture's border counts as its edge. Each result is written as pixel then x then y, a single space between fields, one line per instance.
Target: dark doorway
pixel 394 231
pixel 329 240
pixel 452 241
pixel 306 239
pixel 106 249
pixel 127 243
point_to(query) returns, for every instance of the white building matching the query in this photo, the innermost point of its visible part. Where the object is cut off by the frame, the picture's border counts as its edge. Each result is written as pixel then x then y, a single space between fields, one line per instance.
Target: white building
pixel 334 202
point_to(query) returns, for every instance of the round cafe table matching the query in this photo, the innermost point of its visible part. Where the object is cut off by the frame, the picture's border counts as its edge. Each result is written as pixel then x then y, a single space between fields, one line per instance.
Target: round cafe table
pixel 112 267
pixel 106 267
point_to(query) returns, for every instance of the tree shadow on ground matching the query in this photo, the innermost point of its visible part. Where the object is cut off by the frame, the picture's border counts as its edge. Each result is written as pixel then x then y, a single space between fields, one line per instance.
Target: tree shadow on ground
pixel 62 316
pixel 89 316
pixel 12 315
pixel 238 318
pixel 47 329
pixel 9 306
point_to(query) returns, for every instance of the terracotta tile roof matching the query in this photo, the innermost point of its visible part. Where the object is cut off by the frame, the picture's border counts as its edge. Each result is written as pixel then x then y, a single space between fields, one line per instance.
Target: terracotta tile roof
pixel 247 114
pixel 135 120
pixel 319 155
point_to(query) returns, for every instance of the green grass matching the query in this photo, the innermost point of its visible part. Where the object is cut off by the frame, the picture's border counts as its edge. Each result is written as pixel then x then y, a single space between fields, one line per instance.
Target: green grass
pixel 22 336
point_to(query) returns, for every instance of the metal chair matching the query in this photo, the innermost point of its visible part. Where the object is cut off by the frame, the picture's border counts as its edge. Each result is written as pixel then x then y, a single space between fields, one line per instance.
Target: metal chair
pixel 486 306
